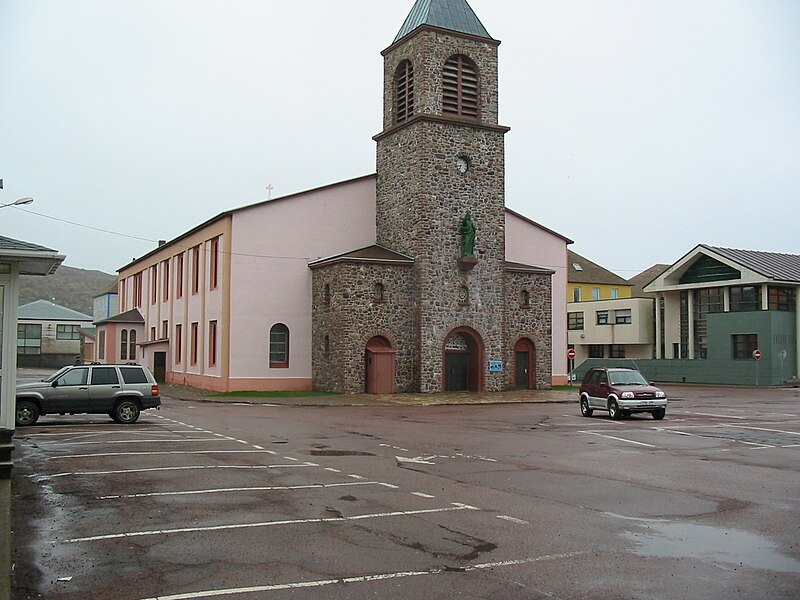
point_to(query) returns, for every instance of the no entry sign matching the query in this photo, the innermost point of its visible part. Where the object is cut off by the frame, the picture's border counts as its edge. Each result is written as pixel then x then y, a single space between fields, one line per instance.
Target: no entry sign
pixel 571 353
pixel 757 354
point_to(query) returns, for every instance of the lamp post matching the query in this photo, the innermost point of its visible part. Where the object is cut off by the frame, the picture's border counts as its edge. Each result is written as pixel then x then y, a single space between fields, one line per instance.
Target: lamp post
pixel 20 202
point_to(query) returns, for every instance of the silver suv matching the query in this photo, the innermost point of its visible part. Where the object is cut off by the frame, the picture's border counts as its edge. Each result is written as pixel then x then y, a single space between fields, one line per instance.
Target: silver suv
pixel 120 391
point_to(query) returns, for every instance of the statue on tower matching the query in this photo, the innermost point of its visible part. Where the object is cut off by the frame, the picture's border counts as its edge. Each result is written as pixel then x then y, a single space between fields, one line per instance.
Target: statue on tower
pixel 467 236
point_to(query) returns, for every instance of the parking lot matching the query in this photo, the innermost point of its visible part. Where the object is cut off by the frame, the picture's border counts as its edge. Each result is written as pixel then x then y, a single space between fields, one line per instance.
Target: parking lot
pixel 204 500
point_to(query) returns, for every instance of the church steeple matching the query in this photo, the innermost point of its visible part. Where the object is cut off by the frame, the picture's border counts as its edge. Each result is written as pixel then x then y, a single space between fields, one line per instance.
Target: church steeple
pixel 455 15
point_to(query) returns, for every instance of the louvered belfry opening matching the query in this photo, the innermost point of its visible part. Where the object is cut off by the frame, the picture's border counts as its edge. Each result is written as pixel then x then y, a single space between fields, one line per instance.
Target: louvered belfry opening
pixel 460 89
pixel 404 91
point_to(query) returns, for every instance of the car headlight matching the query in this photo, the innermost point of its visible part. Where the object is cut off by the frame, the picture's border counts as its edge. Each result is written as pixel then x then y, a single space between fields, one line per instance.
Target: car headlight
pixel 660 395
pixel 627 395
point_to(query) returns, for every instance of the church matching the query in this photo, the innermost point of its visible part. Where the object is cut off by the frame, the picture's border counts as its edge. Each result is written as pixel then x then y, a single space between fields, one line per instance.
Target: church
pixel 414 279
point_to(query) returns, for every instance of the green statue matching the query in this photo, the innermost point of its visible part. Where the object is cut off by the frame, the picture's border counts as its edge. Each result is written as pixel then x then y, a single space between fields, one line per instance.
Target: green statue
pixel 467 236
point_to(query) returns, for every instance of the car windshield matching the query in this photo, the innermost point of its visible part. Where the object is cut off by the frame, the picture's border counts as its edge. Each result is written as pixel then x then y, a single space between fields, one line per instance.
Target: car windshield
pixel 627 378
pixel 56 375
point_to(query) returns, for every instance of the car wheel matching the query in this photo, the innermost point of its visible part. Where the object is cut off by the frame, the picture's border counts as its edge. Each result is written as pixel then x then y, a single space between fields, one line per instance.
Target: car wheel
pixel 585 410
pixel 613 409
pixel 126 412
pixel 659 413
pixel 27 413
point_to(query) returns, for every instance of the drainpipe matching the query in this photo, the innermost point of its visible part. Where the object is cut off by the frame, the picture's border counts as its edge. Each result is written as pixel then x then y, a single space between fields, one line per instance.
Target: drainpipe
pixel 690 319
pixel 657 353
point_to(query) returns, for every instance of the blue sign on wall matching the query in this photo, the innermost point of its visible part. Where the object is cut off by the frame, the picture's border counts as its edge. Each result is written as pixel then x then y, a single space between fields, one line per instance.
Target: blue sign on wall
pixel 495 366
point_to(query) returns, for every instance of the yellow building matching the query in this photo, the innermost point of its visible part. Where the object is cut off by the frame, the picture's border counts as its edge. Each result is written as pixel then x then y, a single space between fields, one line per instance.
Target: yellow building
pixel 588 281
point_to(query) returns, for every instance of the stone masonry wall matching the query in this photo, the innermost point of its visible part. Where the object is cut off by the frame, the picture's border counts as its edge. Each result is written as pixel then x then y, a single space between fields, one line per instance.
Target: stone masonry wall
pixel 353 316
pixel 532 322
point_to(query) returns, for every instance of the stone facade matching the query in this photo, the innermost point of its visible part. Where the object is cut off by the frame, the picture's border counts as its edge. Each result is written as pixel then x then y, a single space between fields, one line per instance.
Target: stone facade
pixel 422 197
pixel 354 302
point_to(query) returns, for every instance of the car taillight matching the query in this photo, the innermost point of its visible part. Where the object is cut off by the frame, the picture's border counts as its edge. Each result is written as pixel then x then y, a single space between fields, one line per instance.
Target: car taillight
pixel 154 390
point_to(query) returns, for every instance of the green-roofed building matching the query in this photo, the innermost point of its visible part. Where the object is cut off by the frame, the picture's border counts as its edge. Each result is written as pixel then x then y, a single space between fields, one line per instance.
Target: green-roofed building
pixel 453 15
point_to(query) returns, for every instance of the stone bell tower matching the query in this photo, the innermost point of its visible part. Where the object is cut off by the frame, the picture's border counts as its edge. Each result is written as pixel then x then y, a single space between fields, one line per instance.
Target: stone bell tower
pixel 441 158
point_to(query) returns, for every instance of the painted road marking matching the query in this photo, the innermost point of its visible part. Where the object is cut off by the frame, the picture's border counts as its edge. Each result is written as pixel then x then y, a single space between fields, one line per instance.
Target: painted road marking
pixel 763 429
pixel 611 437
pixel 456 506
pixel 156 453
pixel 161 441
pixel 266 488
pixel 513 520
pixel 714 415
pixel 366 578
pixel 186 468
pixel 421 495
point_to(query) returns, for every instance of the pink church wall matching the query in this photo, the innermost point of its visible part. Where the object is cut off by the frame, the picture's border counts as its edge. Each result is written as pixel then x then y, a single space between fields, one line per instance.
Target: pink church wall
pixel 534 245
pixel 272 245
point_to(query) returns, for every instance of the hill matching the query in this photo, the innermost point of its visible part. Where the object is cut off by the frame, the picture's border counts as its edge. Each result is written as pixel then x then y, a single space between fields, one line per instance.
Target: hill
pixel 69 286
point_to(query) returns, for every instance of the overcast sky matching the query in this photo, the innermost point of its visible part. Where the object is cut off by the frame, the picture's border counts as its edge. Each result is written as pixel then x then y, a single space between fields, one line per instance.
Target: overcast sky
pixel 639 128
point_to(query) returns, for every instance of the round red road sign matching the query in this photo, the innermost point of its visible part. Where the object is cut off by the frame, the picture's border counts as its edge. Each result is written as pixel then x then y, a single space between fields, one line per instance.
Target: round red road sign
pixel 571 353
pixel 757 354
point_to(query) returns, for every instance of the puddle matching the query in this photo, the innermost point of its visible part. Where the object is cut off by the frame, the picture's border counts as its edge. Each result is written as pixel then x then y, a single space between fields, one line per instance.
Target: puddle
pixel 686 540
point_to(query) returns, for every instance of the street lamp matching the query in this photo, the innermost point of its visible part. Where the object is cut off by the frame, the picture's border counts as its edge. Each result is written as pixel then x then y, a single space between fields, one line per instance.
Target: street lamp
pixel 20 202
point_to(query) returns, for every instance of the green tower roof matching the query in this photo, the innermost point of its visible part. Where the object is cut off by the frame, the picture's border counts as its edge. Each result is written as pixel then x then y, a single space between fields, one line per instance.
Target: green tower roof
pixel 455 15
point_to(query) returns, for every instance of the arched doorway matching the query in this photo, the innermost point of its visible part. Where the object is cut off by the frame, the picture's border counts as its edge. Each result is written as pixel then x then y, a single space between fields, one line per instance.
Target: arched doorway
pixel 463 359
pixel 525 365
pixel 381 366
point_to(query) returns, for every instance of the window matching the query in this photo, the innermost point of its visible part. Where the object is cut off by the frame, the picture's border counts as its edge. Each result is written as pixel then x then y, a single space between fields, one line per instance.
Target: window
pixel 279 346
pixel 614 293
pixel 74 377
pixel 326 298
pixel 782 299
pixel 525 299
pixel 745 298
pixel 460 87
pixel 152 334
pixel 193 346
pixel 101 345
pixel 576 294
pixel 213 258
pixel 179 276
pixel 379 293
pixel 133 375
pixel 29 339
pixel 137 290
pixel 132 345
pixel 164 330
pixel 195 269
pixel 123 344
pixel 212 343
pixel 178 344
pixel 153 284
pixel 595 293
pixel 744 345
pixel 68 332
pixel 622 317
pixel 327 345
pixel 596 351
pixel 165 281
pixel 104 376
pixel 404 92
pixel 577 266
pixel 602 317
pixel 575 321
pixel 617 351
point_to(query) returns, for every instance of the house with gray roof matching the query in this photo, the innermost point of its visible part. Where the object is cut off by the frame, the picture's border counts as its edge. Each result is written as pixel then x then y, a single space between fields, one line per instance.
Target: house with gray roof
pixel 727 316
pixel 49 335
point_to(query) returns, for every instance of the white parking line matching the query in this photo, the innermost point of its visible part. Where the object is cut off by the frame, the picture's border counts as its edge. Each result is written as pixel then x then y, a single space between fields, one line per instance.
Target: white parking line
pixel 156 453
pixel 513 520
pixel 763 429
pixel 364 578
pixel 456 506
pixel 611 437
pixel 714 415
pixel 265 488
pixel 187 468
pixel 178 441
pixel 421 495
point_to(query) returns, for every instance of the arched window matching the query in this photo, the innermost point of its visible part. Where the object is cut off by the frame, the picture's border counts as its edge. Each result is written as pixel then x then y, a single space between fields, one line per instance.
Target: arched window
pixel 326 298
pixel 327 345
pixel 279 346
pixel 404 92
pixel 132 346
pixel 379 293
pixel 460 87
pixel 123 344
pixel 525 299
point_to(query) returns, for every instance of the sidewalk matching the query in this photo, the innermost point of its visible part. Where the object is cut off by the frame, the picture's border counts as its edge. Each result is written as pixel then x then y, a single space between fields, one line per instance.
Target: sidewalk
pixel 177 392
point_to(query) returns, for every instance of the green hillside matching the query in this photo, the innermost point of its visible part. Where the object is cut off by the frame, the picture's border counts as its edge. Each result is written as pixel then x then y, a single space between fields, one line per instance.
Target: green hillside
pixel 70 287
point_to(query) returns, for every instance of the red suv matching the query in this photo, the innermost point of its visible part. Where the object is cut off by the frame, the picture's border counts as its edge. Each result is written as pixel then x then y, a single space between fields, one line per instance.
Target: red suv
pixel 620 392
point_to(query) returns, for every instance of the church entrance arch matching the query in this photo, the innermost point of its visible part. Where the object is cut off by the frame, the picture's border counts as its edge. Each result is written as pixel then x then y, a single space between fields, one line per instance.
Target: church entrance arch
pixel 525 365
pixel 463 358
pixel 381 366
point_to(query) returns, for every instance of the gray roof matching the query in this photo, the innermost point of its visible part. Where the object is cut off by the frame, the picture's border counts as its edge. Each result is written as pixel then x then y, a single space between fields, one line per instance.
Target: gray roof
pixel 455 15
pixel 371 254
pixel 44 310
pixel 132 316
pixel 774 265
pixel 32 258
pixel 590 272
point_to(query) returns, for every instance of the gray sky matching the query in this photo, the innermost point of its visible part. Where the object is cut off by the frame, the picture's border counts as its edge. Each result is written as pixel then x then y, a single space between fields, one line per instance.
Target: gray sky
pixel 639 128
